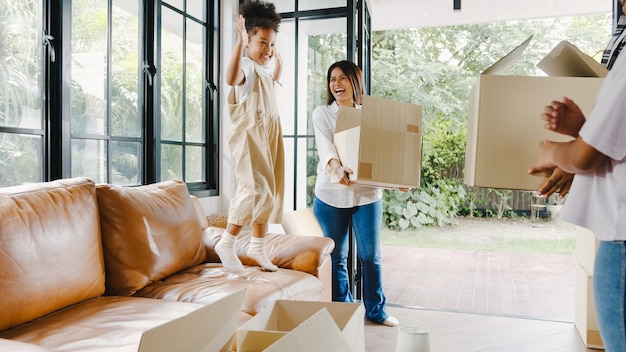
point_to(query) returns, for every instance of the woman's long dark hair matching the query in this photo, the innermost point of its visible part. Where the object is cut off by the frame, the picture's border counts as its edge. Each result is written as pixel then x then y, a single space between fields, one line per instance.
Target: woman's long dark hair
pixel 354 74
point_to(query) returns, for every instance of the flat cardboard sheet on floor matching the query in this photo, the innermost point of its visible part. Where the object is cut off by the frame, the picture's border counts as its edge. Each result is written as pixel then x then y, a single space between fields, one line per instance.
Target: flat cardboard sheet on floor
pixel 504 125
pixel 210 328
pixel 305 326
pixel 381 142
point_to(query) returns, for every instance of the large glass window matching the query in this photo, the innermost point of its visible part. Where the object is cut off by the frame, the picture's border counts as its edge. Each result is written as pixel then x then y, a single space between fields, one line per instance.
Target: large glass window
pixel 105 117
pixel 308 47
pixel 21 93
pixel 84 91
pixel 182 93
pixel 326 43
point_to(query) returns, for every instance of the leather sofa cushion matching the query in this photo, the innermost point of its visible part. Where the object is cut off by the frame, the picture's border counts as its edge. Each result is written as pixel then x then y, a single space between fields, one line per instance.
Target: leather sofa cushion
pixel 17 346
pixel 148 233
pixel 302 253
pixel 51 250
pixel 207 283
pixel 101 324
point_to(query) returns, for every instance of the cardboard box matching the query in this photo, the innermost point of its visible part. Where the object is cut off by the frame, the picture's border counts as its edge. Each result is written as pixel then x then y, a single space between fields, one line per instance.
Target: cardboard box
pixel 586 248
pixel 504 125
pixel 301 222
pixel 381 142
pixel 585 312
pixel 198 330
pixel 304 326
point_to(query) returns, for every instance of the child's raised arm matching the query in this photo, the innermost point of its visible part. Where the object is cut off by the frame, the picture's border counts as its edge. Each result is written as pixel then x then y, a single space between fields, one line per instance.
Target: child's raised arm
pixel 234 74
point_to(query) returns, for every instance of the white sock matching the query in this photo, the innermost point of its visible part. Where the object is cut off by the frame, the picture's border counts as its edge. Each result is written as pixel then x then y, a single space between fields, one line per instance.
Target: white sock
pixel 391 321
pixel 225 249
pixel 256 251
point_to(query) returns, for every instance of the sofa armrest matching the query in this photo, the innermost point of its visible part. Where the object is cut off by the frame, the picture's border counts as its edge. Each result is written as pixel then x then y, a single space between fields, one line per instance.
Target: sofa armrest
pixel 302 253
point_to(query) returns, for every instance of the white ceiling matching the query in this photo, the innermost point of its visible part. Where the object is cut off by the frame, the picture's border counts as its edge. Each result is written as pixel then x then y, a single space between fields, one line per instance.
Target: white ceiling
pixel 395 14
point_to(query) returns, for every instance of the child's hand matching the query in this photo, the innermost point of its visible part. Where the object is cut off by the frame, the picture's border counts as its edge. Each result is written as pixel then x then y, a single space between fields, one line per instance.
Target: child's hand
pixel 278 59
pixel 242 33
pixel 563 117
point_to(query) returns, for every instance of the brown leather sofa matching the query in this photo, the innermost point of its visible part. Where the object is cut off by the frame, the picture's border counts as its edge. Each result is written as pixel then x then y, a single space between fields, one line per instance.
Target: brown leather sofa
pixel 88 267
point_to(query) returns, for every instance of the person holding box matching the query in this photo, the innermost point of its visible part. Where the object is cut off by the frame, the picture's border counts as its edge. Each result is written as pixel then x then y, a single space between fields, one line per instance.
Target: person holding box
pixel 597 200
pixel 337 205
pixel 559 180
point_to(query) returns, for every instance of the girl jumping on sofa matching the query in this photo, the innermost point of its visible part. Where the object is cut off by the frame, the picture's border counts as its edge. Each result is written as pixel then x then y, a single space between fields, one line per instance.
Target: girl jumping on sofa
pixel 255 136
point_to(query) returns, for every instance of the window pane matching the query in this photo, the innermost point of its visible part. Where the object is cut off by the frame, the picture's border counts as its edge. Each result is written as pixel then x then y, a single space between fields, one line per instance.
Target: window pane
pixel 194 164
pixel 171 76
pixel 125 73
pixel 194 82
pixel 171 162
pixel 320 4
pixel 285 91
pixel 89 67
pixel 175 3
pixel 125 163
pixel 302 194
pixel 327 41
pixel 312 159
pixel 196 8
pixel 20 71
pixel 89 159
pixel 290 170
pixel 20 159
pixel 284 5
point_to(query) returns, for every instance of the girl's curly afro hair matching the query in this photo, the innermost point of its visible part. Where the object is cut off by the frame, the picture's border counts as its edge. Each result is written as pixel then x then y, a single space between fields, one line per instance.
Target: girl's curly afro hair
pixel 260 14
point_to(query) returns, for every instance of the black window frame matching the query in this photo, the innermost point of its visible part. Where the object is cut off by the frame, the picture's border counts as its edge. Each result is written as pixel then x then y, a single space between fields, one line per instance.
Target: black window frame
pixel 56 76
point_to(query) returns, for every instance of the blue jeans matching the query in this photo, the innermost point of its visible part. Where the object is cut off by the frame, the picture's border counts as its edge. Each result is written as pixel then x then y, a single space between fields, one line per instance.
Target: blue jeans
pixel 366 222
pixel 609 281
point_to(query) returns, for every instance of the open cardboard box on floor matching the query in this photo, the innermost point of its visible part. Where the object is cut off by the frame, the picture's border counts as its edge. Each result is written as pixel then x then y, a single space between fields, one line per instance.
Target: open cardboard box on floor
pixel 304 326
pixel 585 318
pixel 504 125
pixel 208 329
pixel 381 143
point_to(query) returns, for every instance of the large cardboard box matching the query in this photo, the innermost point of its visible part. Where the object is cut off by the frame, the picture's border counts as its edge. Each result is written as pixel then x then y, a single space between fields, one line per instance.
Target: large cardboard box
pixel 381 142
pixel 584 311
pixel 198 331
pixel 586 248
pixel 301 222
pixel 305 326
pixel 504 125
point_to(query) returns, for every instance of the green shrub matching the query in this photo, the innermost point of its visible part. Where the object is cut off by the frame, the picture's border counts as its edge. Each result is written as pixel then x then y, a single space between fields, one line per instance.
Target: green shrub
pixel 434 204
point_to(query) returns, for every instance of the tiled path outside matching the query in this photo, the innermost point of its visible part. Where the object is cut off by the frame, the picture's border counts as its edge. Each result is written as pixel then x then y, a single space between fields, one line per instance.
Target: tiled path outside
pixel 537 286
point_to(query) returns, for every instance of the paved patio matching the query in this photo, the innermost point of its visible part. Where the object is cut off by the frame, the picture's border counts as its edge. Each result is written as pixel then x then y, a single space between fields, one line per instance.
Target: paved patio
pixel 539 286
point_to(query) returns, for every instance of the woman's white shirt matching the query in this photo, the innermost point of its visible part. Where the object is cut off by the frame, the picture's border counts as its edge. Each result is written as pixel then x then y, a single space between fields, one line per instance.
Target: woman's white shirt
pixel 324 120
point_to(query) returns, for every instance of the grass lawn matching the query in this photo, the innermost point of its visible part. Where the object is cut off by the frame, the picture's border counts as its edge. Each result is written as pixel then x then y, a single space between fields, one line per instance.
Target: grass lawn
pixel 489 234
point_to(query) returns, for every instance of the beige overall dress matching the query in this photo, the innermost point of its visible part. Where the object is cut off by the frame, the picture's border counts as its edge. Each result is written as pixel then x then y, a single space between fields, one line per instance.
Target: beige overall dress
pixel 255 140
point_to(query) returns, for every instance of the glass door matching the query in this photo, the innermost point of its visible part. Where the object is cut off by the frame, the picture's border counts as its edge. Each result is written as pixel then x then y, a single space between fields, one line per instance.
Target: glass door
pixel 313 35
